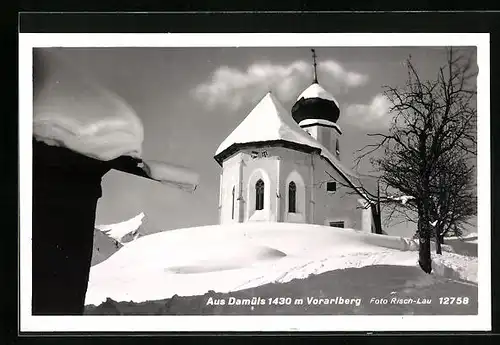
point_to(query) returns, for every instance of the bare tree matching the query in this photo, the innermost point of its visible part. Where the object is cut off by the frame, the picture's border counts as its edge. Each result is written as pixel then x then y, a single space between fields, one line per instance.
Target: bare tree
pixel 425 152
pixel 454 198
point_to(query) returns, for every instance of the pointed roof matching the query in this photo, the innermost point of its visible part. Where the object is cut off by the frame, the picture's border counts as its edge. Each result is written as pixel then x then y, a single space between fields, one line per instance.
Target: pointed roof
pixel 317 91
pixel 269 121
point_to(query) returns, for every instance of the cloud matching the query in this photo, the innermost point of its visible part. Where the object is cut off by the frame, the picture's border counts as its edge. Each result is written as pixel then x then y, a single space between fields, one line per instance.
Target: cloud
pixel 233 88
pixel 376 113
pixel 350 79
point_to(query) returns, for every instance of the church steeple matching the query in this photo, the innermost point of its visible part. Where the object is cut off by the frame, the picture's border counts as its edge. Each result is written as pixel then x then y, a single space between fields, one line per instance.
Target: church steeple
pixel 317 112
pixel 315 103
pixel 315 75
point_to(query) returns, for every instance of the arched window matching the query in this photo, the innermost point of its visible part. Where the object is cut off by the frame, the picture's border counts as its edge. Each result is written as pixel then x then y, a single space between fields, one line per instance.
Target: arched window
pixel 259 195
pixel 337 147
pixel 292 197
pixel 232 209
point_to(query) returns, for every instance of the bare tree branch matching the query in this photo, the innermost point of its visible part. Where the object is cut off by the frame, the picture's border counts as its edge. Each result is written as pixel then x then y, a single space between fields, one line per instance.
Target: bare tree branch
pixel 429 151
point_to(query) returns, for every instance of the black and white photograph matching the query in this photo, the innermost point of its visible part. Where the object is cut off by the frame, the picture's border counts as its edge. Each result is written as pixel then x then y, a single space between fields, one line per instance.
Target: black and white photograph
pixel 174 177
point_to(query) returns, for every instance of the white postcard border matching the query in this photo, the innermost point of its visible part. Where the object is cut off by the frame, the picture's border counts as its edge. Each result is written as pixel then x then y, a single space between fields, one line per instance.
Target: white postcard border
pixel 29 323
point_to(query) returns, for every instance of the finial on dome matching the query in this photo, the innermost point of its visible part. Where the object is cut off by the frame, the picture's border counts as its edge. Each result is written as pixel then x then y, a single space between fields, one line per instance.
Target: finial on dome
pixel 314 65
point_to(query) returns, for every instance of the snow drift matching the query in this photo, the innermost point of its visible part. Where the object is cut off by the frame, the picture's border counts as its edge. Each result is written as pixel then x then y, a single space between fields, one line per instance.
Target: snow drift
pixel 233 257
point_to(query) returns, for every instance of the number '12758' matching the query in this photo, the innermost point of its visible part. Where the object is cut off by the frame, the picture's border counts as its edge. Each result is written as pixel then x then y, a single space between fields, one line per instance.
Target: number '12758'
pixel 453 300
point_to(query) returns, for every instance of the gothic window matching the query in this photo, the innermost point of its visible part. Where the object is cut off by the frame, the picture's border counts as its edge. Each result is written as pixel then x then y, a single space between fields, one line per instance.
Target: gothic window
pixel 292 195
pixel 259 195
pixel 337 147
pixel 232 206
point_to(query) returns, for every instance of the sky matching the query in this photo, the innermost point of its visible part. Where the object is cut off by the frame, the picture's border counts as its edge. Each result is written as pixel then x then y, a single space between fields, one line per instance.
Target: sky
pixel 191 99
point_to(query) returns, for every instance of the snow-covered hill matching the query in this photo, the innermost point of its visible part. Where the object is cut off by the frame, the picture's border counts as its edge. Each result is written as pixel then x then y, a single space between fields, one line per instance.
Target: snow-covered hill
pixel 235 257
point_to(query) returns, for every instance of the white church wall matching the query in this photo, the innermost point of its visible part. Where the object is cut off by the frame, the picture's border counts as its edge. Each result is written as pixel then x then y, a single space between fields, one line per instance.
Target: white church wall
pixel 366 217
pixel 258 164
pixel 255 174
pixel 327 136
pixel 230 180
pixel 313 131
pixel 299 215
pixel 295 167
pixel 337 206
pixel 278 165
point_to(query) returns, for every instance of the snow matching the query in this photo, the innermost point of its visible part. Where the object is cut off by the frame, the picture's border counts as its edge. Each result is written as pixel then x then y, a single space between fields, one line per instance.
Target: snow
pixel 119 230
pixel 309 122
pixel 269 121
pixel 74 112
pixel 180 177
pixel 470 237
pixel 403 198
pixel 347 291
pixel 317 91
pixel 234 257
pixel 466 245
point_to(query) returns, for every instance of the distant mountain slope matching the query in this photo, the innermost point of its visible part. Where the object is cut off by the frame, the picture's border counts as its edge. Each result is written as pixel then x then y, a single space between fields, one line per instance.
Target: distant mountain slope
pixel 105 243
pixel 104 247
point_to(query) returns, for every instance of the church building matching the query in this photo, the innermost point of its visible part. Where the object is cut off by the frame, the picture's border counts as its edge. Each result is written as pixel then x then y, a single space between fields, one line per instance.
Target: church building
pixel 282 166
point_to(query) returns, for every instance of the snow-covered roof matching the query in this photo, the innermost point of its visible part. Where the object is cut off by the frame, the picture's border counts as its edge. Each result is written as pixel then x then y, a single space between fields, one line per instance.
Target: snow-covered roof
pixel 73 111
pixel 270 121
pixel 317 91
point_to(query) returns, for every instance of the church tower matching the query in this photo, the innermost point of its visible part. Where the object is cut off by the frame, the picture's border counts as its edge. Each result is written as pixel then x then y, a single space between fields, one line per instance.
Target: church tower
pixel 316 111
pixel 282 166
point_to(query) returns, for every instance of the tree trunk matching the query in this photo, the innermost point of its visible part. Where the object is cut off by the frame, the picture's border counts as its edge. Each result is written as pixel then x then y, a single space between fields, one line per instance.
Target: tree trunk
pixel 377 219
pixel 424 257
pixel 438 246
pixel 439 241
pixel 424 236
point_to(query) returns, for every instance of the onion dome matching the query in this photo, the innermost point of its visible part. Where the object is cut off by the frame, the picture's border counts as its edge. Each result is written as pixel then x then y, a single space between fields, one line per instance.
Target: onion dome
pixel 315 103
